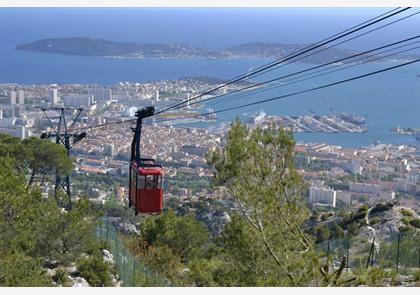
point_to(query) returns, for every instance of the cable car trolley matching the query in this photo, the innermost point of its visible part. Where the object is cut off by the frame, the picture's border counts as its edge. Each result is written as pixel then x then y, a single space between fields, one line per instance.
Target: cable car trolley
pixel 145 184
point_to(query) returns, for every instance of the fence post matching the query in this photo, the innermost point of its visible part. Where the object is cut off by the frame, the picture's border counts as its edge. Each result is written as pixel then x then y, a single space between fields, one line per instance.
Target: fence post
pixel 107 228
pixel 370 257
pixel 328 255
pixel 117 253
pixel 373 252
pixel 398 250
pixel 347 253
pixel 123 265
pixel 100 228
pixel 419 257
pixel 134 272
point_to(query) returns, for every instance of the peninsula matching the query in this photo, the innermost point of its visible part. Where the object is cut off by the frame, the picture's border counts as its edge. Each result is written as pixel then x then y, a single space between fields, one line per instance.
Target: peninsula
pixel 100 47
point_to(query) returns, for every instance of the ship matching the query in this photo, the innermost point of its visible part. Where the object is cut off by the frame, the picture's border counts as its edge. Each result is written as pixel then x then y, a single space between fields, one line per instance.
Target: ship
pixel 258 118
pixel 211 115
pixel 358 120
pixel 129 112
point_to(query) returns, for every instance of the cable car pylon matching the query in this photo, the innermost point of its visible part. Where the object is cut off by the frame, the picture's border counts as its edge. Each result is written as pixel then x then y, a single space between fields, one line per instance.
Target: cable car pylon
pixel 63 136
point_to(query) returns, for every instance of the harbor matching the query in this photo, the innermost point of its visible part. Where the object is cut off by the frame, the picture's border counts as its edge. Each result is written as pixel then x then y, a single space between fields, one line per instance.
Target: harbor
pixel 331 123
pixel 407 131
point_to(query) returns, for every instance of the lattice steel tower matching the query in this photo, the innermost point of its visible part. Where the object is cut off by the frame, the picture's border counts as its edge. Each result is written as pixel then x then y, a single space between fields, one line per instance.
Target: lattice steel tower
pixel 63 135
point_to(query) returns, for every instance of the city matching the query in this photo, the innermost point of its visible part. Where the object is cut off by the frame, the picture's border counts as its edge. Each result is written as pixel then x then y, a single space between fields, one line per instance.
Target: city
pixel 209 147
pixel 366 175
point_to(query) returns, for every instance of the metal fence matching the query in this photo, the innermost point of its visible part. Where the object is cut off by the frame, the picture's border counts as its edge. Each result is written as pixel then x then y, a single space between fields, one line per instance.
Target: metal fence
pixel 399 251
pixel 131 272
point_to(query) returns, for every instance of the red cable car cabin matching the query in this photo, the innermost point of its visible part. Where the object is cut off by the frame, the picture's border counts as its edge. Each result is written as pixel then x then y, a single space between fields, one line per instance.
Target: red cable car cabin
pixel 146 193
pixel 145 183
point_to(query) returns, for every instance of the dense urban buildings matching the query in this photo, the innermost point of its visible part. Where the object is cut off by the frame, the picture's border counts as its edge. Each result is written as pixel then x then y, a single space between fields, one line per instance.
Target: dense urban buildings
pixel 335 176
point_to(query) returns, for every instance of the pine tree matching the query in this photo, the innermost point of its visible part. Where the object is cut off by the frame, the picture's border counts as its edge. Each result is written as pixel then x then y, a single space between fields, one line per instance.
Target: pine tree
pixel 257 168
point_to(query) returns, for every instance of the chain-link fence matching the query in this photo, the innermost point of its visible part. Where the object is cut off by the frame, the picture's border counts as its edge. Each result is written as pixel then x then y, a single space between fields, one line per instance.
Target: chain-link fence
pixel 131 272
pixel 398 251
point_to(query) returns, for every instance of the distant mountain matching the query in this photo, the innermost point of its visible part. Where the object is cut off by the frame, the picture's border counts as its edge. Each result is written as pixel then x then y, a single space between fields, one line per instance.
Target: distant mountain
pixel 99 47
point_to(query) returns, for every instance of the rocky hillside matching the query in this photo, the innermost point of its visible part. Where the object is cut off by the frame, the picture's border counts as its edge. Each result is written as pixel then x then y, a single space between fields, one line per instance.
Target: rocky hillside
pixel 373 236
pixel 385 219
pixel 81 274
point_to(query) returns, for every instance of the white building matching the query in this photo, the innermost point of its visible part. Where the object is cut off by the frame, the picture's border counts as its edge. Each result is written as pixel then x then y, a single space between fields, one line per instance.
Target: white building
pixel 10 111
pixel 322 195
pixel 403 185
pixel 7 122
pixel 364 188
pixel 53 94
pixel 18 131
pixel 356 167
pixel 12 97
pixel 100 94
pixel 109 150
pixel 77 101
pixel 337 171
pixel 413 178
pixel 21 97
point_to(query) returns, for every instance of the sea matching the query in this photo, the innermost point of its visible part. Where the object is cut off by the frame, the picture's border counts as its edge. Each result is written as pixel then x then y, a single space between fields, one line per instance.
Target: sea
pixel 386 100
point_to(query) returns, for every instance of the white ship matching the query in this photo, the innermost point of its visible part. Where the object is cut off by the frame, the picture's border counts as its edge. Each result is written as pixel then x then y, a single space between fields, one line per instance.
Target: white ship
pixel 258 118
pixel 211 115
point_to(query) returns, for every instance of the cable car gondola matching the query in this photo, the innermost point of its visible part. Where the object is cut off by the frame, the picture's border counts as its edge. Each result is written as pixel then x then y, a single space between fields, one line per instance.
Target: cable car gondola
pixel 145 183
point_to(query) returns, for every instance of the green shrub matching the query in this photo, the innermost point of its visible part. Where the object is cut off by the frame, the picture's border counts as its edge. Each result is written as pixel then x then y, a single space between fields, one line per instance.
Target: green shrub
pixel 416 274
pixel 363 208
pixel 361 213
pixel 380 208
pixel 375 220
pixel 406 220
pixel 374 277
pixel 406 213
pixel 353 229
pixel 95 270
pixel 403 228
pixel 415 223
pixel 19 270
pixel 60 277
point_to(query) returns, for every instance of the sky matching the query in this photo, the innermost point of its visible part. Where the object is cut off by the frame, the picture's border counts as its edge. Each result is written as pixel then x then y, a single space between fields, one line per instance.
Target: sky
pixel 212 28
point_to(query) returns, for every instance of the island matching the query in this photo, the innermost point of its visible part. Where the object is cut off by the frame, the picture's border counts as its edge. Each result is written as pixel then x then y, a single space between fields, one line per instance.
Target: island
pixel 105 48
pixel 99 47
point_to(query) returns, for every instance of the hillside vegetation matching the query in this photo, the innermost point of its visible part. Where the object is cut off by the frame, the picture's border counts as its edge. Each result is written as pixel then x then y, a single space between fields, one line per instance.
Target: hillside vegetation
pixel 40 243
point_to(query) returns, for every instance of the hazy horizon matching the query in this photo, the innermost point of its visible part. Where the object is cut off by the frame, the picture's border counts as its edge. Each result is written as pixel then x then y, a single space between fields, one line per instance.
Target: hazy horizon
pixel 212 28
